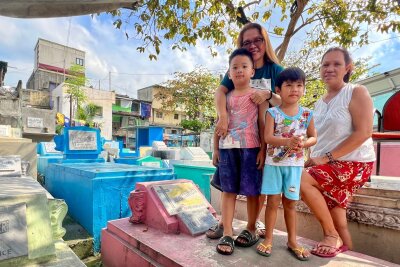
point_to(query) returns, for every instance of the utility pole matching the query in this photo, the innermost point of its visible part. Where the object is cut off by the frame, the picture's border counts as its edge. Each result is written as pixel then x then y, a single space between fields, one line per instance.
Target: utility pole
pixel 109 81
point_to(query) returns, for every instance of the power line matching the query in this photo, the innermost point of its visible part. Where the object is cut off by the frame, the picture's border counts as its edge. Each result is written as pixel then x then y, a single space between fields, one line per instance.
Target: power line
pixel 138 74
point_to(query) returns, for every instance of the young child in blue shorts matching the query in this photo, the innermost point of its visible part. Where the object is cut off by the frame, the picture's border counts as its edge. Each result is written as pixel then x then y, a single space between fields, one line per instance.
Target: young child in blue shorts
pixel 288 129
pixel 240 156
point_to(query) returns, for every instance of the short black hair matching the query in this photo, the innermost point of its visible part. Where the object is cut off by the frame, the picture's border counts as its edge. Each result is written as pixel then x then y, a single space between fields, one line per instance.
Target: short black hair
pixel 290 74
pixel 241 52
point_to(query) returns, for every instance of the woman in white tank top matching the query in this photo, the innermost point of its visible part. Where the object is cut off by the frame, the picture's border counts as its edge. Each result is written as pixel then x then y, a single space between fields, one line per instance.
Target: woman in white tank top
pixel 341 161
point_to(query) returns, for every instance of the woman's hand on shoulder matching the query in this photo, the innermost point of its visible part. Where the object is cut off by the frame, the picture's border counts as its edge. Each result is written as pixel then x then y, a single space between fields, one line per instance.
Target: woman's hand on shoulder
pixel 259 96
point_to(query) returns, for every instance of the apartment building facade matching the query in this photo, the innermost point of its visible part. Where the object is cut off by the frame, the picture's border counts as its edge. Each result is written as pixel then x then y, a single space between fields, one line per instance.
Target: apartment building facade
pixel 51 64
pixel 170 120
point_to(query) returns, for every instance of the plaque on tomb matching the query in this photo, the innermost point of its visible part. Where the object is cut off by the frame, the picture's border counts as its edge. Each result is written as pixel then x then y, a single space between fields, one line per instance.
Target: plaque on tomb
pixel 50 147
pixel 13 231
pixel 33 122
pixel 82 140
pixel 180 197
pixel 5 130
pixel 151 164
pixel 10 166
pixel 197 221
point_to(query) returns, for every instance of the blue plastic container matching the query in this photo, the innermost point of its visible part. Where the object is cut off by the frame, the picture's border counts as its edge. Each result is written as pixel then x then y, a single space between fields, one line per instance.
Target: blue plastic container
pixel 98 192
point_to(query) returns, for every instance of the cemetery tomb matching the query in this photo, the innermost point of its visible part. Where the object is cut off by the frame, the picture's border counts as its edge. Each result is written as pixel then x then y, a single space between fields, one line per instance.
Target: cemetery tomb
pixel 98 192
pixel 30 222
pixel 200 175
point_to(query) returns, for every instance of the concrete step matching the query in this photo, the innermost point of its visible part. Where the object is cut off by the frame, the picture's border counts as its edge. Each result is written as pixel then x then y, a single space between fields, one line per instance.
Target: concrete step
pixel 127 244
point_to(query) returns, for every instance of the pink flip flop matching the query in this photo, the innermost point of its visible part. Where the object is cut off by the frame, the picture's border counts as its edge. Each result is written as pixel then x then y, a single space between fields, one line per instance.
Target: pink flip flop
pixel 337 251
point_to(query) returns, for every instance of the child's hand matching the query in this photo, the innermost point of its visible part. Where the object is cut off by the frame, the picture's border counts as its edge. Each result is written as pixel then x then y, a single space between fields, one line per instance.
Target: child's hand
pixel 295 142
pixel 215 158
pixel 260 160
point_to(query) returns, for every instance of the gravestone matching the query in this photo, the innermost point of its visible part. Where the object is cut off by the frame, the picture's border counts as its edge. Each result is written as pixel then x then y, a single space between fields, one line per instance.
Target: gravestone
pixel 25 228
pixel 82 140
pixel 13 231
pixel 79 143
pixel 31 224
pixel 5 130
pixel 194 153
pixel 50 148
pixel 10 166
pixel 22 147
pixel 172 206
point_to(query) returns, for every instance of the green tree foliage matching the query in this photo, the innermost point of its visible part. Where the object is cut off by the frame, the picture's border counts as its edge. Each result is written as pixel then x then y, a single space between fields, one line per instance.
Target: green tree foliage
pixel 183 22
pixel 194 125
pixel 194 93
pixel 75 82
pixel 87 113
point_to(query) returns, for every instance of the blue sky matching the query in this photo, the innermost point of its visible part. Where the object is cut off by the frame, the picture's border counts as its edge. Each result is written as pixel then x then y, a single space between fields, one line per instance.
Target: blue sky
pixel 107 49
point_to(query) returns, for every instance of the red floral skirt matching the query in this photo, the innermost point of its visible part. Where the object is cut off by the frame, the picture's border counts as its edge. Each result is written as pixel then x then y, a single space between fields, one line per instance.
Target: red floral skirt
pixel 340 180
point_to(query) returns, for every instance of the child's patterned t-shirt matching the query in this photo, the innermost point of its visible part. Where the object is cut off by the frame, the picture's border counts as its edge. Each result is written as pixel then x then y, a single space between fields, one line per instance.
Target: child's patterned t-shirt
pixel 287 126
pixel 243 123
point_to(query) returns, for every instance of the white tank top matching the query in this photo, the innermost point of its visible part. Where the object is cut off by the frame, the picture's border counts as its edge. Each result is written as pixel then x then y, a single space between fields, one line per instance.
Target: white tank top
pixel 334 125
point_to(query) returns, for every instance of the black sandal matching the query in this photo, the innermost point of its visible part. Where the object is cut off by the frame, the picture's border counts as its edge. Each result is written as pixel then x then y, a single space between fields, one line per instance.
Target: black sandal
pixel 216 231
pixel 226 241
pixel 248 237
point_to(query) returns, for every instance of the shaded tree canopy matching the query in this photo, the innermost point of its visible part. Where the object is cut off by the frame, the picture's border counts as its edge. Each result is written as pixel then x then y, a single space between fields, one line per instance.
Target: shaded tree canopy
pixel 183 22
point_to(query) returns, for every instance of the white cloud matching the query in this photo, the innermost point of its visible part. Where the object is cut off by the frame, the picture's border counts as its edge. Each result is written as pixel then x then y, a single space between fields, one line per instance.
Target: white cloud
pixel 107 49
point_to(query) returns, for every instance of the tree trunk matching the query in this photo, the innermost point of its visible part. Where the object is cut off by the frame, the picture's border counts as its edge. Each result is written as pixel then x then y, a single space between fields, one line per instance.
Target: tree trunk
pixel 294 17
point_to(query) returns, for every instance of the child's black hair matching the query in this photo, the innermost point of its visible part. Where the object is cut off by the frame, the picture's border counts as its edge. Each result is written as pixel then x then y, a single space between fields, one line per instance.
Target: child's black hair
pixel 292 74
pixel 241 52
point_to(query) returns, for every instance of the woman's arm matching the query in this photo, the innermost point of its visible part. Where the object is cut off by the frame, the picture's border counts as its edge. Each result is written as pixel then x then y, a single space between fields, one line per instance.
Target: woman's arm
pixel 215 158
pixel 262 108
pixel 311 135
pixel 221 129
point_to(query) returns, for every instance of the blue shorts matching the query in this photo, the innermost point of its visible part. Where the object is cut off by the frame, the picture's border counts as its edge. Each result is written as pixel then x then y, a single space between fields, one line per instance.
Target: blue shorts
pixel 237 171
pixel 282 179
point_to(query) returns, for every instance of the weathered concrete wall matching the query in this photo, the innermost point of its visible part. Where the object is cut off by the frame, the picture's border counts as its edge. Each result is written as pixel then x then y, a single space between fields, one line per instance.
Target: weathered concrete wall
pixel 41 79
pixel 46 116
pixel 35 98
pixel 10 112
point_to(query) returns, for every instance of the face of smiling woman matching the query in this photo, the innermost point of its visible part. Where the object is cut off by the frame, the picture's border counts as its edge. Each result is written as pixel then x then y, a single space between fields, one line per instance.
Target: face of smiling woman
pixel 255 43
